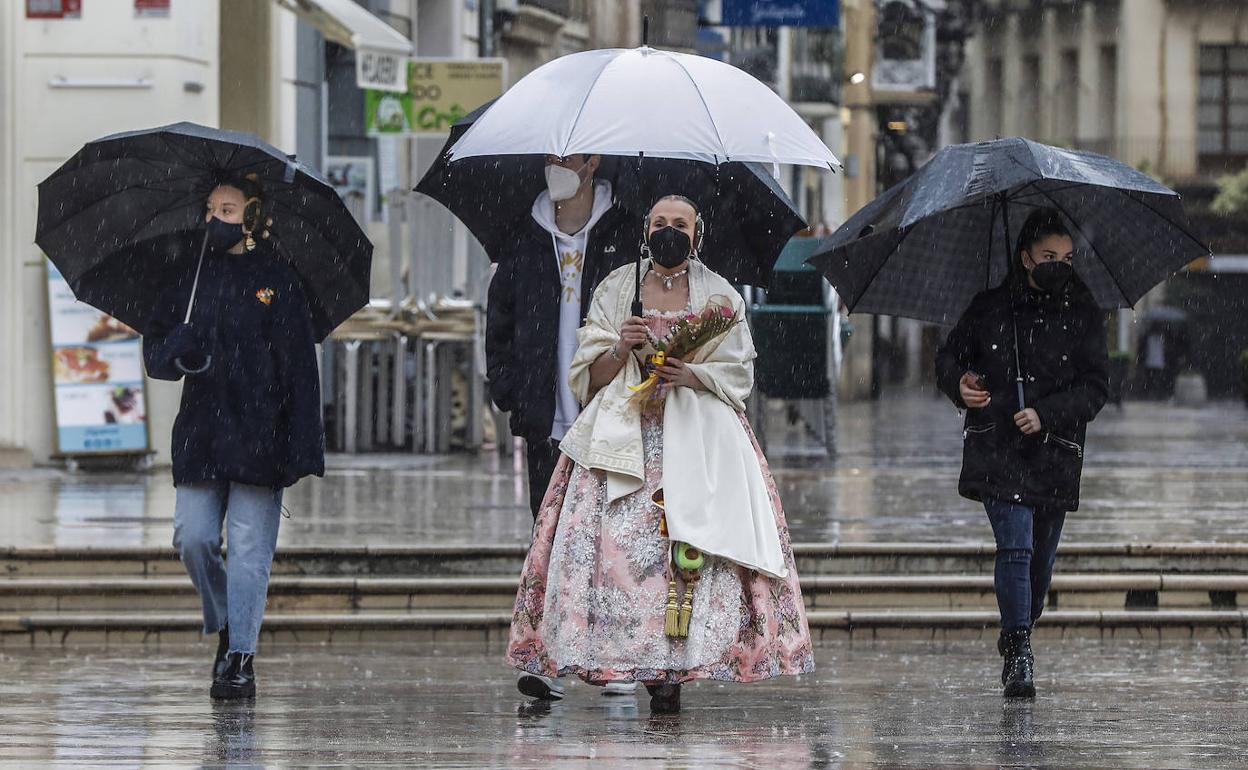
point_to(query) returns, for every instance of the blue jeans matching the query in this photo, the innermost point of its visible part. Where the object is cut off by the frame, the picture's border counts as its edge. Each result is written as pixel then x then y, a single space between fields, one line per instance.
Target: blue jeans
pixel 1026 549
pixel 233 592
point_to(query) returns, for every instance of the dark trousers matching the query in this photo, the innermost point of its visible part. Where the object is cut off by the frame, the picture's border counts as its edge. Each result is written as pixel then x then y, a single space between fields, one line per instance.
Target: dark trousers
pixel 542 456
pixel 1026 549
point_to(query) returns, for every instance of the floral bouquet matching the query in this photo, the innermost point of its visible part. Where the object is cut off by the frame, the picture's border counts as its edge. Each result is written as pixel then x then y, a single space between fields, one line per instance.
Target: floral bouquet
pixel 686 336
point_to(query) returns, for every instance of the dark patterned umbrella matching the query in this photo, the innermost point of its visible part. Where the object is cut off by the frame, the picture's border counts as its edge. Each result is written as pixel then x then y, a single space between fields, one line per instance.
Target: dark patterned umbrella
pixel 124 218
pixel 927 246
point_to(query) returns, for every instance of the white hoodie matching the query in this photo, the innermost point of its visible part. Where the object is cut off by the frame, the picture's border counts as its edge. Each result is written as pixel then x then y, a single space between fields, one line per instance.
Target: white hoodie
pixel 569 253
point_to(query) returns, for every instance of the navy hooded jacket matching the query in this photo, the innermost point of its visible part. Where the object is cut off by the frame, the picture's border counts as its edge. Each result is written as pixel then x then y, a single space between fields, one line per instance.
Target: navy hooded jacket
pixel 253 416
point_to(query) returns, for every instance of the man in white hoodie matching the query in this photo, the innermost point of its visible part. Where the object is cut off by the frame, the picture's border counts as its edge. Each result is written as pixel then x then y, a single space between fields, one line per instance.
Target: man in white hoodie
pixel 539 296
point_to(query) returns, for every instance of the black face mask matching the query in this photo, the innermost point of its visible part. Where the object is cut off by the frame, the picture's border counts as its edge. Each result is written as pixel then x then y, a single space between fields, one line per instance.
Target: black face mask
pixel 1052 276
pixel 223 235
pixel 669 246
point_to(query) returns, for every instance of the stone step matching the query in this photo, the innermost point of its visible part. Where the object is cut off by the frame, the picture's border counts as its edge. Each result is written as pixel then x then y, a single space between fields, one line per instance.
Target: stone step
pixel 295 593
pixel 490 628
pixel 506 559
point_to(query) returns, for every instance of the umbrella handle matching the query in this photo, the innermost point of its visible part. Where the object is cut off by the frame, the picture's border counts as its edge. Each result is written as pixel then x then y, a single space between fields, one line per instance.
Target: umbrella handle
pixel 188 370
pixel 203 245
pixel 641 157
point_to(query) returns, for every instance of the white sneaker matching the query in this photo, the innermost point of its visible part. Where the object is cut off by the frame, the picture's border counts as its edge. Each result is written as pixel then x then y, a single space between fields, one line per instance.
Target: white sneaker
pixel 620 688
pixel 540 687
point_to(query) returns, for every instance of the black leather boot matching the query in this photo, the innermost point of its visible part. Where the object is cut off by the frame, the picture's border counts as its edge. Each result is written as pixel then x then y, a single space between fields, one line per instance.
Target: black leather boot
pixel 664 698
pixel 1018 673
pixel 239 679
pixel 223 646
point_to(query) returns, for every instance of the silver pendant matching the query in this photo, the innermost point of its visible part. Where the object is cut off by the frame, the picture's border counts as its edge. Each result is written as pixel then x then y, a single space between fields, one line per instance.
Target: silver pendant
pixel 667 279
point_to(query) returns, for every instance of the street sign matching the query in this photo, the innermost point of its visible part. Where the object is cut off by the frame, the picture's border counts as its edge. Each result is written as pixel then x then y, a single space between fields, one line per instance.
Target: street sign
pixel 380 70
pixel 781 13
pixel 905 47
pixel 438 93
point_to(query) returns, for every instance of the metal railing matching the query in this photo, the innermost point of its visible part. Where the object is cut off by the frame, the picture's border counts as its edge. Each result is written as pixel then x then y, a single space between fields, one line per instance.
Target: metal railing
pixel 408 371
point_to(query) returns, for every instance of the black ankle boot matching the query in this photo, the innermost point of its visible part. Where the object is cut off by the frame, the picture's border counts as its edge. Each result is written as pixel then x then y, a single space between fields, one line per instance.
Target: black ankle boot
pixel 664 698
pixel 1018 673
pixel 239 679
pixel 223 646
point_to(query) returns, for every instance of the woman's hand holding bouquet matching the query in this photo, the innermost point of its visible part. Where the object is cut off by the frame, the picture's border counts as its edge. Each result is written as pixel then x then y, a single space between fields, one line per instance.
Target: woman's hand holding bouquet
pixel 666 366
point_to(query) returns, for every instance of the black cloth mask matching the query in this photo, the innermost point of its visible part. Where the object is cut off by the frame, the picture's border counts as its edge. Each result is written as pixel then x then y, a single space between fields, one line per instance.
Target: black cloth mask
pixel 1052 276
pixel 222 235
pixel 669 247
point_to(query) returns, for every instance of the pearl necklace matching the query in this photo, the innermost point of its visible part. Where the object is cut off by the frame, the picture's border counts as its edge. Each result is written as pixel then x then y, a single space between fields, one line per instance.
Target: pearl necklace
pixel 667 279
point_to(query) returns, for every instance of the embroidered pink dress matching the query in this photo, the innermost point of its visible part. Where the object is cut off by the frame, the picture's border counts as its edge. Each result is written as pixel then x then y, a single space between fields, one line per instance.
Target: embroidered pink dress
pixel 594 587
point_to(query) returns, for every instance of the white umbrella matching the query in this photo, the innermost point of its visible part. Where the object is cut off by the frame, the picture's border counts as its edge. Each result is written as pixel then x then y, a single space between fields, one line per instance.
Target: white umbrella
pixel 631 101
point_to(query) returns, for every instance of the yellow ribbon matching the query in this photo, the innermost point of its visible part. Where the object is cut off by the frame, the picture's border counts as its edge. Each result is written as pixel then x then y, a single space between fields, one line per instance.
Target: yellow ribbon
pixel 651 382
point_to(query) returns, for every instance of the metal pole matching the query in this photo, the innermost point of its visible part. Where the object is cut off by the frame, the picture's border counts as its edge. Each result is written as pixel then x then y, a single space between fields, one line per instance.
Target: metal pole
pixel 641 156
pixel 203 245
pixel 395 228
pixel 1010 257
pixel 485 28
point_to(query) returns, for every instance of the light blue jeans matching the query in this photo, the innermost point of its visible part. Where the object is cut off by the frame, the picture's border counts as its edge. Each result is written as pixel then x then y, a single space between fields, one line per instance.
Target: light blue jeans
pixel 232 593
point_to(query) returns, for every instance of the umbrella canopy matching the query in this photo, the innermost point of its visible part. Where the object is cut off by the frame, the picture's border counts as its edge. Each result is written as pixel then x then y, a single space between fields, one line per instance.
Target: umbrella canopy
pixel 644 100
pixel 124 218
pixel 927 246
pixel 748 215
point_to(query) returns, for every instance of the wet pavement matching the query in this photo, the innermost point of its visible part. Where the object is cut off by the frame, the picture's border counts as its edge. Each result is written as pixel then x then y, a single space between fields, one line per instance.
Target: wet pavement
pixel 1154 473
pixel 883 704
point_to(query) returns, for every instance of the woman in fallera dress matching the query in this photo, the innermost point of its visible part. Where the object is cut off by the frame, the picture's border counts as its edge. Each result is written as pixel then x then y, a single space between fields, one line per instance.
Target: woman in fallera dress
pixel 660 552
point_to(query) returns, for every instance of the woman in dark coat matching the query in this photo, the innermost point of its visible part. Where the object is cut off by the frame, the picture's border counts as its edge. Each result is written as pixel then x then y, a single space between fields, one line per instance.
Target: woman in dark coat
pixel 1023 462
pixel 250 420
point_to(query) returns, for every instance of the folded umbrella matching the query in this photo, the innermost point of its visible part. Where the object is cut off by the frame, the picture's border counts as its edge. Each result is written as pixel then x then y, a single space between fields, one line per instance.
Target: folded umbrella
pixel 124 218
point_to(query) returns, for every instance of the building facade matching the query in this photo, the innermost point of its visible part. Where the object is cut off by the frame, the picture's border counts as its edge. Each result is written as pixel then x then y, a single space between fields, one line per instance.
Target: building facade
pixel 73 71
pixel 1159 84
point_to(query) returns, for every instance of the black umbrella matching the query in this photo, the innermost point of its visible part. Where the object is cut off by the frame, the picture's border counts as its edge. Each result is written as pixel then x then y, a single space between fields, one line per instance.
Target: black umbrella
pixel 748 215
pixel 124 218
pixel 927 246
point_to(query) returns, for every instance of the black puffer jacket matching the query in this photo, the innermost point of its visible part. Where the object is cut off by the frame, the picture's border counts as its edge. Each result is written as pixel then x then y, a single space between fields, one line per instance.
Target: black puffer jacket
pixel 522 317
pixel 254 416
pixel 1065 363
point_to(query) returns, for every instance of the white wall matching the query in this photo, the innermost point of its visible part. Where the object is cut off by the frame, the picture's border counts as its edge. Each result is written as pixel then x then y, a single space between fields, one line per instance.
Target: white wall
pixel 11 332
pixel 43 125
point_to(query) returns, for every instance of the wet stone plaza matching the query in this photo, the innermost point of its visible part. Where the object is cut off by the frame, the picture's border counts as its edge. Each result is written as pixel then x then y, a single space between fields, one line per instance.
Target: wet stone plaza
pixel 1153 473
pixel 886 704
pixel 919 696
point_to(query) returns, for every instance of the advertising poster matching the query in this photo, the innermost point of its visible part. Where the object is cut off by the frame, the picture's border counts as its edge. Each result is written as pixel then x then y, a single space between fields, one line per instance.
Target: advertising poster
pixel 97 377
pixel 439 92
